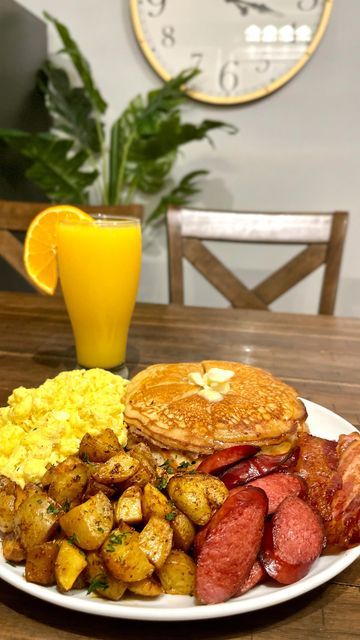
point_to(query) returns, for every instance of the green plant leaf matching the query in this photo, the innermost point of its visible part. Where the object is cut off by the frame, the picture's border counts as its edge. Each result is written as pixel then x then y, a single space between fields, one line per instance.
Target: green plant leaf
pixel 146 138
pixel 80 63
pixel 178 196
pixel 55 169
pixel 150 176
pixel 171 134
pixel 70 109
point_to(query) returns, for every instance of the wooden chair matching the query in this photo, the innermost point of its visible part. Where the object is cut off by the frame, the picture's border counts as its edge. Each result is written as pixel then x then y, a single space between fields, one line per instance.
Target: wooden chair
pixel 16 217
pixel 323 233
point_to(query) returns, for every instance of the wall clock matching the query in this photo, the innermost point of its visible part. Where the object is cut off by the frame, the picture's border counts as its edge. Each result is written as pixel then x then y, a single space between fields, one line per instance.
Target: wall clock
pixel 245 50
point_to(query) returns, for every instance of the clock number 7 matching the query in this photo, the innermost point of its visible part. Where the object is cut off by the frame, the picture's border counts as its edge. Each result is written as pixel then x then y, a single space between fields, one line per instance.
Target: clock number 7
pixel 228 78
pixel 307 5
pixel 159 6
pixel 197 58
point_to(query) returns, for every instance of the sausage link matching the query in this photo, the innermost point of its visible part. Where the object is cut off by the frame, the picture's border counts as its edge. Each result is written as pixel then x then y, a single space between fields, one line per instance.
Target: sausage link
pixel 231 545
pixel 292 541
pixel 279 486
pixel 220 460
pixel 258 466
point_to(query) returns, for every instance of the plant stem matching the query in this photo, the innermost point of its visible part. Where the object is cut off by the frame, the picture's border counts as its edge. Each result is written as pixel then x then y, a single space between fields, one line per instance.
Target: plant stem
pixel 104 187
pixel 130 192
pixel 120 177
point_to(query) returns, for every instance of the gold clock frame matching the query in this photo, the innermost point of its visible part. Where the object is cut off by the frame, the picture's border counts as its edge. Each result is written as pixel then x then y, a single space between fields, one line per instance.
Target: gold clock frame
pixel 232 100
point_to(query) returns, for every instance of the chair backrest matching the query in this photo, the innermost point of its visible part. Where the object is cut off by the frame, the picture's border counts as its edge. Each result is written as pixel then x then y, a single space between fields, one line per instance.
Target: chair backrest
pixel 16 216
pixel 323 233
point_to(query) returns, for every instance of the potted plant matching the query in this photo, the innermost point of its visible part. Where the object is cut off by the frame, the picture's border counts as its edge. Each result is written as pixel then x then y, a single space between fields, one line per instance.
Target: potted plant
pixel 78 159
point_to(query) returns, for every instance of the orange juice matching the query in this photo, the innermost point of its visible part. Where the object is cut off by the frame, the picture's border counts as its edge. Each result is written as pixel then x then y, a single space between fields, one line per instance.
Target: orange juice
pixel 99 267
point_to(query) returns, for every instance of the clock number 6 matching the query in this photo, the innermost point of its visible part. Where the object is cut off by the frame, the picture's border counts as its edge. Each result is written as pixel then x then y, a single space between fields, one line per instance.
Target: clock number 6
pixel 159 5
pixel 168 36
pixel 307 5
pixel 228 78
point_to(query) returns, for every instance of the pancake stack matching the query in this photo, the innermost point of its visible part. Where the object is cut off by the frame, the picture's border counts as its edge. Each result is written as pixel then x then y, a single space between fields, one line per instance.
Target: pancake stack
pixel 202 407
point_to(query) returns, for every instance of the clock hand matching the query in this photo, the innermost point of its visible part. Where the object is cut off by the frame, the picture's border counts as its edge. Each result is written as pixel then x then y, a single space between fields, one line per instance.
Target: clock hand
pixel 244 7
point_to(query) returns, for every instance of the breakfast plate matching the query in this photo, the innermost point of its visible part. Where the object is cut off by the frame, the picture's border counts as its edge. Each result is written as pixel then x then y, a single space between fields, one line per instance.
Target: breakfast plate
pixel 323 423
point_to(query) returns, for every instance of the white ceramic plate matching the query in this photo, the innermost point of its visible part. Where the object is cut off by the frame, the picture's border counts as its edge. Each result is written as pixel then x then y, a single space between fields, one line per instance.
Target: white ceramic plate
pixel 323 423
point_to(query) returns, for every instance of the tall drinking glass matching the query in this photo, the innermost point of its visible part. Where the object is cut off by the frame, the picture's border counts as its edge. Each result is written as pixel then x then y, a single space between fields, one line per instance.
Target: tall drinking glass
pixel 99 267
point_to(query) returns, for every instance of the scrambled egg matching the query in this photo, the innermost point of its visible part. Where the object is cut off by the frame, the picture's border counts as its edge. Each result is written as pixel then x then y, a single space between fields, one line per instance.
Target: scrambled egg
pixel 42 426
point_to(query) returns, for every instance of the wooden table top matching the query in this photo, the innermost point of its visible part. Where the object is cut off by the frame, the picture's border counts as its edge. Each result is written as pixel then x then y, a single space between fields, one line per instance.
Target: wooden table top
pixel 318 355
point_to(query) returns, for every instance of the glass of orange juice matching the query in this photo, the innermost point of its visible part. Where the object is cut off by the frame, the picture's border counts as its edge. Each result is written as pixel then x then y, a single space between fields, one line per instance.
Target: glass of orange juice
pixel 99 266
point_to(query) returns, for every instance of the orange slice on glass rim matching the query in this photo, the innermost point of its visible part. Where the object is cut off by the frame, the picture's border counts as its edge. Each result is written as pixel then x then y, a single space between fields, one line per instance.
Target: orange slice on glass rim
pixel 40 247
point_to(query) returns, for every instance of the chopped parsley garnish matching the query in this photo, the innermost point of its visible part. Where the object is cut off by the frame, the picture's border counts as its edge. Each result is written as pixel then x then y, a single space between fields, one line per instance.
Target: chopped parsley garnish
pixel 185 465
pixel 167 466
pixel 98 583
pixel 162 483
pixel 85 458
pixel 66 505
pixel 53 509
pixel 116 538
pixel 73 539
pixel 170 516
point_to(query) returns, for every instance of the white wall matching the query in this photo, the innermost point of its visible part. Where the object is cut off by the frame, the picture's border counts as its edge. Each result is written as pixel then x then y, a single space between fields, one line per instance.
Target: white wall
pixel 296 150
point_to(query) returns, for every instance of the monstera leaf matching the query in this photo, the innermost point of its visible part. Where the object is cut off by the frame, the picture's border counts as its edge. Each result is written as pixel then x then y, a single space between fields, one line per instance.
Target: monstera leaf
pixel 55 171
pixel 71 109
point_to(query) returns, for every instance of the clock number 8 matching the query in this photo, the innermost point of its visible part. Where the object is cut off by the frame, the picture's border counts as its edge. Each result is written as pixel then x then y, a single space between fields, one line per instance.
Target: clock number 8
pixel 228 78
pixel 168 34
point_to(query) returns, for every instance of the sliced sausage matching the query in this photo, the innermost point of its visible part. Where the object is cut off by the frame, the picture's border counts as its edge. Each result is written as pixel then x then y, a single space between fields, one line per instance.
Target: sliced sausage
pixel 256 575
pixel 292 540
pixel 258 466
pixel 219 460
pixel 231 545
pixel 279 486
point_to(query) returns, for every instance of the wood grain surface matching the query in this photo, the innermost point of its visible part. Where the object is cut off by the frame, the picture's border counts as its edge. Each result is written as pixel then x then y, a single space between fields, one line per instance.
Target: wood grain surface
pixel 319 355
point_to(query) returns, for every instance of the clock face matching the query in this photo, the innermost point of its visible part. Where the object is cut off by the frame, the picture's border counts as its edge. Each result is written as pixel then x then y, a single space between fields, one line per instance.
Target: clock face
pixel 244 50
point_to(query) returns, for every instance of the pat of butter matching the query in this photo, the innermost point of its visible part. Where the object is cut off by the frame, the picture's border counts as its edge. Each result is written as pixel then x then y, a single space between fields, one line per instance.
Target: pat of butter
pixel 210 394
pixel 219 375
pixel 214 384
pixel 196 378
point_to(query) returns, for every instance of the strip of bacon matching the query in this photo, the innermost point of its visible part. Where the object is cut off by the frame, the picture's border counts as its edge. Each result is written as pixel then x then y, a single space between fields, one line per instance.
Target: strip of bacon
pixel 317 464
pixel 344 526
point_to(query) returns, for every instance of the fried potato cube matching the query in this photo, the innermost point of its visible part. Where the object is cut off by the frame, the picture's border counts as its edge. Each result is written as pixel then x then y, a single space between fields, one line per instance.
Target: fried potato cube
pixel 147 469
pixel 68 481
pixel 70 562
pixel 156 540
pixel 93 487
pixel 11 496
pixel 154 503
pixel 119 468
pixel 90 522
pixel 183 530
pixel 101 582
pixel 128 507
pixel 149 587
pixel 123 557
pixel 177 575
pixel 12 549
pixel 99 448
pixel 40 563
pixel 198 495
pixel 36 519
